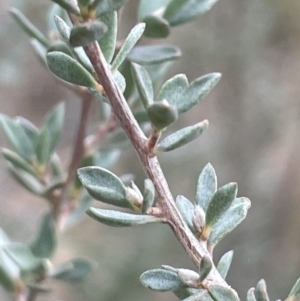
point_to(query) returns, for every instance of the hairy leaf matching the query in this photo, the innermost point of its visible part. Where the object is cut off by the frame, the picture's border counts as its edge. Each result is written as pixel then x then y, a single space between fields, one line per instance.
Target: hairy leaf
pixel 186 209
pixel 147 8
pixel 224 264
pixel 251 295
pixel 224 293
pixel 260 291
pixel 205 268
pixel 149 195
pixel 156 27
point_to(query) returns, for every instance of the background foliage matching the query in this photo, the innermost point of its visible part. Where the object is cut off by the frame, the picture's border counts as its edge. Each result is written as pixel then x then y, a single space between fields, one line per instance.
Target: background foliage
pixel 252 138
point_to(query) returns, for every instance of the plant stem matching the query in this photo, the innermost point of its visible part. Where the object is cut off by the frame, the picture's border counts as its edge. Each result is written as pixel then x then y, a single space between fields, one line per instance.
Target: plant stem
pixel 151 165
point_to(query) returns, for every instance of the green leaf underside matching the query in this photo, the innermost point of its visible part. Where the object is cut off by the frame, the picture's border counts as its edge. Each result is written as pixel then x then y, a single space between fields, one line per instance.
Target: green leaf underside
pixel 162 114
pixel 251 295
pixel 84 34
pixel 220 202
pixel 147 7
pixel 186 209
pixel 224 264
pixel 206 186
pixel 154 54
pixel 69 70
pixel 45 242
pixel 104 186
pixel 134 35
pixel 50 133
pixel 108 42
pixel 143 83
pixel 73 270
pixel 28 27
pixel 182 137
pixel 219 292
pixel 186 10
pixel 120 219
pixel 156 27
pixel 260 291
pixel 161 280
pixel 295 291
pixel 229 220
pixel 17 137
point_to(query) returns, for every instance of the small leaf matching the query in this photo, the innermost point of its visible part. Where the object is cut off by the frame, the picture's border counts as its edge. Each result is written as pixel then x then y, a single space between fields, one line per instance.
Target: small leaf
pixel 224 264
pixel 17 137
pixel 28 27
pixel 63 29
pixel 251 295
pixel 23 257
pixel 222 293
pixel 66 68
pixel 134 35
pixel 149 195
pixel 182 137
pixel 156 27
pixel 229 220
pixel 197 90
pixel 104 6
pixel 205 268
pixel 26 180
pixel 295 291
pixel 174 90
pixel 44 244
pixel 104 186
pixel 206 186
pixel 120 219
pixel 108 42
pixel 17 161
pixel 147 7
pixel 186 209
pixel 83 34
pixel 220 202
pixel 143 83
pixel 68 6
pixel 73 270
pixel 60 46
pixel 50 133
pixel 161 280
pixel 154 54
pixel 161 114
pixel 260 291
pixel 186 10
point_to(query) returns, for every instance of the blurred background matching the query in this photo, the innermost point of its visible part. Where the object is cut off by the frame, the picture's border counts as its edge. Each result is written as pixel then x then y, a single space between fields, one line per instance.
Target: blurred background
pixel 253 138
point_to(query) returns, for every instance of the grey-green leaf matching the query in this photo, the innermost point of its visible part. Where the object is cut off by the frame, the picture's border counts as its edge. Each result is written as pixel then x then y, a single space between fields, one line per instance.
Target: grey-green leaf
pixel 186 209
pixel 220 203
pixel 73 270
pixel 161 280
pixel 28 27
pixel 149 195
pixel 174 90
pixel 162 114
pixel 295 291
pixel 50 133
pixel 197 90
pixel 205 268
pixel 67 69
pixel 104 6
pixel 224 264
pixel 260 292
pixel 222 293
pixel 201 295
pixel 45 242
pixel 120 219
pixel 206 186
pixel 186 10
pixel 85 33
pixel 108 42
pixel 63 29
pixel 229 220
pixel 182 137
pixel 134 35
pixel 143 83
pixel 156 27
pixel 104 186
pixel 147 7
pixel 251 295
pixel 154 54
